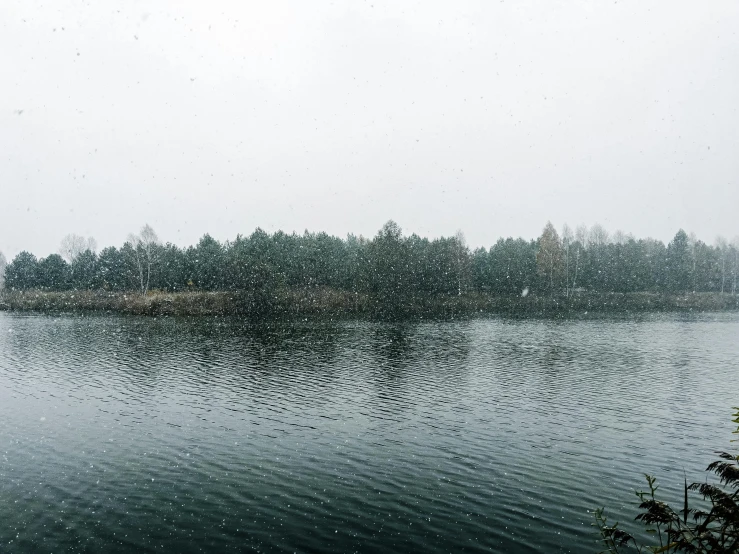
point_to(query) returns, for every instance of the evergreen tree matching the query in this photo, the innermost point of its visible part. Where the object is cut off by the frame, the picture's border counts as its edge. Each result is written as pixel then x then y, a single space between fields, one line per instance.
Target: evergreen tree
pixel 513 267
pixel 172 274
pixel 679 263
pixel 389 275
pixel 52 273
pixel 21 273
pixel 113 271
pixel 84 271
pixel 397 273
pixel 207 260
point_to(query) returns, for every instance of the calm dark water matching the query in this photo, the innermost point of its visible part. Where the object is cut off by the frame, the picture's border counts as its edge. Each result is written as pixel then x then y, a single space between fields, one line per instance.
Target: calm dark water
pixel 134 434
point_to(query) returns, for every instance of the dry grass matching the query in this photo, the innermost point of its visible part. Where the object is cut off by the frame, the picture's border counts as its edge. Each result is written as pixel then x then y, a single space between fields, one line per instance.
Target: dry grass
pixel 331 302
pixel 188 303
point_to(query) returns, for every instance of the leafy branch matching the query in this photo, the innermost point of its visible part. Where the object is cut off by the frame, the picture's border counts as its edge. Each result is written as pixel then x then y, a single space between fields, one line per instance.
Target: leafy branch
pixel 692 530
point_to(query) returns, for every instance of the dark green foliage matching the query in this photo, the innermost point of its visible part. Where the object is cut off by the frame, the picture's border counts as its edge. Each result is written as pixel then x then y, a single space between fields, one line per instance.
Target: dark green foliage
pixel 113 273
pixel 53 273
pixel 397 275
pixel 172 272
pixel 389 272
pixel 509 268
pixel 257 298
pixel 21 273
pixel 713 527
pixel 207 263
pixel 84 271
pixel 679 264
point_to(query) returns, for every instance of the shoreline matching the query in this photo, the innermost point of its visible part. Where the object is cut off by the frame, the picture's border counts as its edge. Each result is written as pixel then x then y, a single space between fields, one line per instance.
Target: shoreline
pixel 292 303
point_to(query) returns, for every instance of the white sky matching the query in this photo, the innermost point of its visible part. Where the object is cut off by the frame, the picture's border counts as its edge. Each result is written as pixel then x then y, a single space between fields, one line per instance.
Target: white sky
pixel 491 117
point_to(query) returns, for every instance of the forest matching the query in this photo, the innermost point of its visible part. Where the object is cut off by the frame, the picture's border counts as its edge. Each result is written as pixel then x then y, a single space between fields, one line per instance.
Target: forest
pixel 390 267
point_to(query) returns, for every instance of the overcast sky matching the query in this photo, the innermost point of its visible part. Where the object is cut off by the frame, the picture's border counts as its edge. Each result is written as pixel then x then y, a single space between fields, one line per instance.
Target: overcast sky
pixel 491 117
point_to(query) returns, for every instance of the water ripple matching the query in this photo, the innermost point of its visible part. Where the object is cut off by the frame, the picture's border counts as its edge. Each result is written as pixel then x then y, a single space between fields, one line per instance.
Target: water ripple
pixel 491 435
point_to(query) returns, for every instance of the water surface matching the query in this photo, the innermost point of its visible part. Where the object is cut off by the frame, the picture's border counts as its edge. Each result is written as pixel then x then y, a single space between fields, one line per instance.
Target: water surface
pixel 191 435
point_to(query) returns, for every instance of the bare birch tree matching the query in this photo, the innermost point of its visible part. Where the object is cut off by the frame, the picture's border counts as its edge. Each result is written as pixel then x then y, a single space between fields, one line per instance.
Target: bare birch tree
pixel 581 241
pixel 461 252
pixel 566 240
pixel 598 235
pixel 619 237
pixel 3 265
pixel 549 256
pixel 73 245
pixel 144 247
pixel 693 245
pixel 723 248
pixel 735 247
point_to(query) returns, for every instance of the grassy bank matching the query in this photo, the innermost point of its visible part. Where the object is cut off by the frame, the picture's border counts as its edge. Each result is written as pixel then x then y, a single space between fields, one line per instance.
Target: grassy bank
pixel 196 303
pixel 636 302
pixel 337 303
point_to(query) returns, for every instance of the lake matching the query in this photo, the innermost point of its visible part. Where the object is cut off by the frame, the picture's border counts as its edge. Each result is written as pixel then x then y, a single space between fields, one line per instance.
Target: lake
pixel 208 435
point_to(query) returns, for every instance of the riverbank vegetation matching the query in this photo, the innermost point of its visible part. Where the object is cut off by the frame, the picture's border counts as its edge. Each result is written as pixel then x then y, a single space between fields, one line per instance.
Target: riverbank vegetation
pixel 329 302
pixel 390 275
pixel 710 526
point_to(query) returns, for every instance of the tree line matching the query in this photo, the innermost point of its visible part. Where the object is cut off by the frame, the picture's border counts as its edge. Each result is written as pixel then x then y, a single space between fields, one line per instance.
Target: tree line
pixel 390 265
